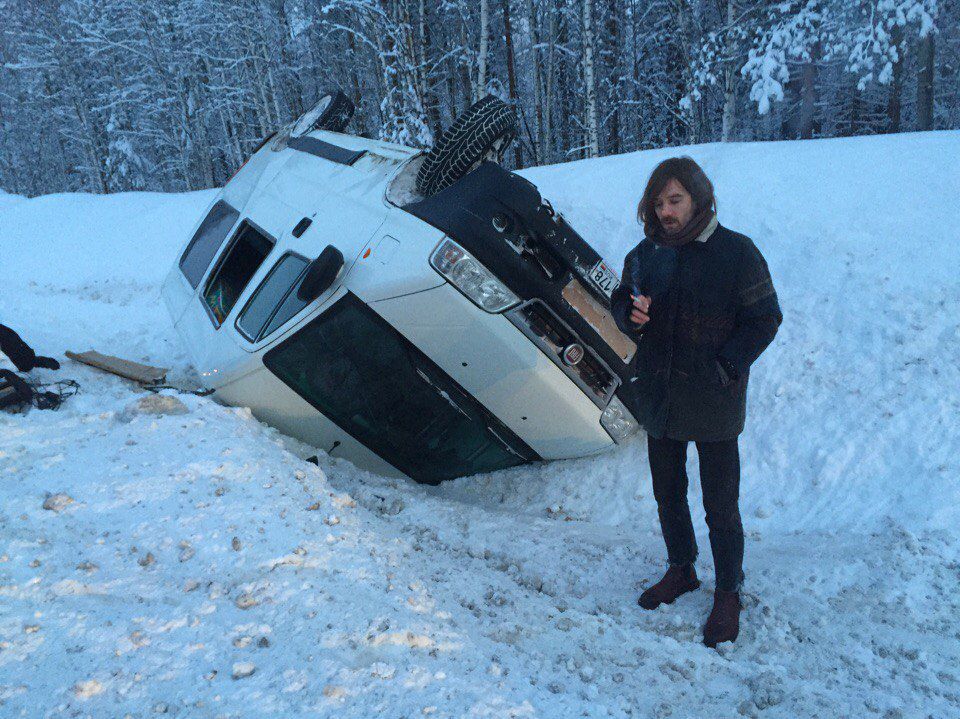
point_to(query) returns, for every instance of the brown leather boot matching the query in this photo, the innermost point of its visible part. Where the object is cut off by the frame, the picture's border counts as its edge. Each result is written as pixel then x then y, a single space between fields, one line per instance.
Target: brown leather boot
pixel 678 580
pixel 723 625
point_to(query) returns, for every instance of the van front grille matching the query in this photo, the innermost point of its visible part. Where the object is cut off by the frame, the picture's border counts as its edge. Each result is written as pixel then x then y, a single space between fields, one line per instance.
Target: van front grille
pixel 553 336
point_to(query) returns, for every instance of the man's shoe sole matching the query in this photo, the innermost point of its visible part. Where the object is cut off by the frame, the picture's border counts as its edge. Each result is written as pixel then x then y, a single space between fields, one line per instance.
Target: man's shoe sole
pixel 691 588
pixel 712 644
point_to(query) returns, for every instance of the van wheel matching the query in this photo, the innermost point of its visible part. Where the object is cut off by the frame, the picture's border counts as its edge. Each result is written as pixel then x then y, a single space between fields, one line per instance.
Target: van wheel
pixel 332 112
pixel 482 132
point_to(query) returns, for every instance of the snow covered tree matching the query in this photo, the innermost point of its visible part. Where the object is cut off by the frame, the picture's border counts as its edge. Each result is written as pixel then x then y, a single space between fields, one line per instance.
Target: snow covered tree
pixel 107 95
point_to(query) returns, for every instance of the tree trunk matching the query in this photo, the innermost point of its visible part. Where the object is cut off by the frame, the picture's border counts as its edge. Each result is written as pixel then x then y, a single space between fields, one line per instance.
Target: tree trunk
pixel 453 73
pixel 549 88
pixel 638 132
pixel 925 83
pixel 294 99
pixel 613 51
pixel 271 84
pixel 856 111
pixel 590 87
pixel 691 118
pixel 560 82
pixel 681 127
pixel 470 93
pixel 808 99
pixel 257 78
pixel 430 101
pixel 353 61
pixel 392 129
pixel 511 75
pixel 539 144
pixel 481 88
pixel 896 83
pixel 729 119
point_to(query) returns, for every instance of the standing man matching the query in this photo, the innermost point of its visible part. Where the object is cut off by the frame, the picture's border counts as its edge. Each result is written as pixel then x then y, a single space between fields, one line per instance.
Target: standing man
pixel 699 301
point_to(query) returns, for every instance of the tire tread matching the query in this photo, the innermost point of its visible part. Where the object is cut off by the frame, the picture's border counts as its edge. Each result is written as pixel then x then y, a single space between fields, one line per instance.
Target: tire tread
pixel 471 137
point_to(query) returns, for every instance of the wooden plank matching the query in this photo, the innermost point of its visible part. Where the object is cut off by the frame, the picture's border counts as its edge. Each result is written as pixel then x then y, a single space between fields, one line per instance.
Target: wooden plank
pixel 145 374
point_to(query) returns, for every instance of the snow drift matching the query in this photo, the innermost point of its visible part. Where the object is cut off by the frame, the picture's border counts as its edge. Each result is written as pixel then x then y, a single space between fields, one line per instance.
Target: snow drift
pixel 189 564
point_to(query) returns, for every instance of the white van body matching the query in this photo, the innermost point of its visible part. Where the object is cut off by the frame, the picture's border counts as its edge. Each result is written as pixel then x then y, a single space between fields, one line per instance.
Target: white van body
pixel 514 380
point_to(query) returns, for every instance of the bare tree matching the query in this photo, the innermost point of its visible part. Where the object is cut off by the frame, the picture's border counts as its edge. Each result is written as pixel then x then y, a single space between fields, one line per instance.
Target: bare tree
pixel 481 87
pixel 925 83
pixel 107 95
pixel 592 139
pixel 730 74
pixel 511 72
pixel 540 138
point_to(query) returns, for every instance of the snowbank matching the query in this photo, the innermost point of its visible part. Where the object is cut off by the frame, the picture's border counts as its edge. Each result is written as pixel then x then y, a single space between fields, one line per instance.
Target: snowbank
pixel 72 239
pixel 853 408
pixel 190 565
pixel 8 200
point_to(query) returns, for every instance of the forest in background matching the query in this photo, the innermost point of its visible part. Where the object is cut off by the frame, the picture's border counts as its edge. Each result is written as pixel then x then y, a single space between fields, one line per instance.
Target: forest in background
pixel 172 95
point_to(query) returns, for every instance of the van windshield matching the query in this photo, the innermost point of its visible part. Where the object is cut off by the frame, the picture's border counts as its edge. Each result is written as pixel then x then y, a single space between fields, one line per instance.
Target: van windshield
pixel 372 382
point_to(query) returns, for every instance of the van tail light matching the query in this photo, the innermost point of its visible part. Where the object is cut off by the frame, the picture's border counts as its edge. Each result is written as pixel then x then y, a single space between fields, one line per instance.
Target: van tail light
pixel 257 149
pixel 235 172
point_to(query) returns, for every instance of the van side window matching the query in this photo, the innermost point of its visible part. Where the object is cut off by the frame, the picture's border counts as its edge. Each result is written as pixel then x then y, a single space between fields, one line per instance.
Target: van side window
pixel 275 300
pixel 239 263
pixel 291 306
pixel 206 241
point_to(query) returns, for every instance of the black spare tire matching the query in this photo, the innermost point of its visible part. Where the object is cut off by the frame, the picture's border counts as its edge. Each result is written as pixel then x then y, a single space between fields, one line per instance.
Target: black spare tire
pixel 482 132
pixel 331 112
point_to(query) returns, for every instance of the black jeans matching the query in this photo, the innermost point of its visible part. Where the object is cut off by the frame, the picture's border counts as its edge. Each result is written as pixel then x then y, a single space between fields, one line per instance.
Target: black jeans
pixel 720 480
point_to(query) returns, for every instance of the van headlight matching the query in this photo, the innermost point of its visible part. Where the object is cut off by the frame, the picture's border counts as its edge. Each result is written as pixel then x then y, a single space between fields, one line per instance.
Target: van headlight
pixel 618 421
pixel 465 272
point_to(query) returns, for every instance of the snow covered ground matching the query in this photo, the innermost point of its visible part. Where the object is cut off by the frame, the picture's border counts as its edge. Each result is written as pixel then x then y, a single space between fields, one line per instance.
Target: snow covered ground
pixel 202 570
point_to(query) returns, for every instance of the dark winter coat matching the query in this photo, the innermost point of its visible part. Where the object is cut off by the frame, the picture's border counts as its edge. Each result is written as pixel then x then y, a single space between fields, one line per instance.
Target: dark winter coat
pixel 711 301
pixel 16 349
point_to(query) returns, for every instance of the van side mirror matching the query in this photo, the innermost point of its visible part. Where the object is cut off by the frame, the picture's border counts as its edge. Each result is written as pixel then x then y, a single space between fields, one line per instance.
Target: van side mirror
pixel 320 274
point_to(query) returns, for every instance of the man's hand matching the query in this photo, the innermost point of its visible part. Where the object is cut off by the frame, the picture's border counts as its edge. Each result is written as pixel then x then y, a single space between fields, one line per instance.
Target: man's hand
pixel 640 314
pixel 726 372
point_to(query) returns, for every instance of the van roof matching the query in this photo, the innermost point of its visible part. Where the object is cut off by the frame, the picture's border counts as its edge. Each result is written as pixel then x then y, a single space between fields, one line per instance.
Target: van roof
pixel 384 150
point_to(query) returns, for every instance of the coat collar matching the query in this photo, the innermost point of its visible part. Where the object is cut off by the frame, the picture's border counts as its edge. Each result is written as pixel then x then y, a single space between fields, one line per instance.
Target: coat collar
pixel 708 230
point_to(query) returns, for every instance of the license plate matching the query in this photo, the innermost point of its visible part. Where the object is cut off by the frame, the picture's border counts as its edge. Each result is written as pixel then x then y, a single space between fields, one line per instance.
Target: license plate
pixel 604 278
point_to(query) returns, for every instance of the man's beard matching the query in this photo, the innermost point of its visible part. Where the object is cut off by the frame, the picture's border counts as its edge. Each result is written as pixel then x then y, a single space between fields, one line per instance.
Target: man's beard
pixel 672 228
pixel 676 235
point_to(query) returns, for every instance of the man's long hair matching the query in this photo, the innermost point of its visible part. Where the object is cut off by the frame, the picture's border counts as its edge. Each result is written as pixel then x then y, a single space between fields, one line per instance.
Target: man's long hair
pixel 689 174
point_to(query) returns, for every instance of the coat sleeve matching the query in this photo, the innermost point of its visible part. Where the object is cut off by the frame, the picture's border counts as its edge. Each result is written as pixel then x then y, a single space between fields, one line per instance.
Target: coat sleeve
pixel 758 314
pixel 16 349
pixel 620 302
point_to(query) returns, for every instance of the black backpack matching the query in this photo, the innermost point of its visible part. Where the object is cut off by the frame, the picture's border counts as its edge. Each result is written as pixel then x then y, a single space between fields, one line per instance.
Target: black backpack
pixel 13 390
pixel 16 392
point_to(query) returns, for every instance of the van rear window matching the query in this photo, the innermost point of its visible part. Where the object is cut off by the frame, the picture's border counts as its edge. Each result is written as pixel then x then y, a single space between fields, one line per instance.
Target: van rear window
pixel 237 266
pixel 206 241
